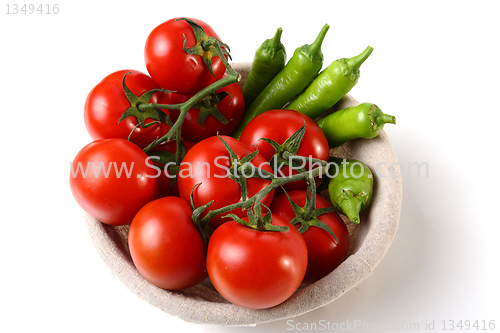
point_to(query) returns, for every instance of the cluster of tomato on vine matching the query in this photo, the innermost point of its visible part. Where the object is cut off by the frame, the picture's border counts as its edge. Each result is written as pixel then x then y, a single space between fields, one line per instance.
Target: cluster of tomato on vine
pixel 257 237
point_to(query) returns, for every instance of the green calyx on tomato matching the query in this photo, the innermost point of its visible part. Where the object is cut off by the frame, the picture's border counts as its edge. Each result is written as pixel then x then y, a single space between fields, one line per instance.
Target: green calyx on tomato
pixel 165 157
pixel 297 148
pixel 256 221
pixel 141 115
pixel 168 157
pixel 171 67
pixel 241 169
pixel 286 151
pixel 308 215
pixel 255 269
pixel 107 101
pixel 206 47
pixel 206 168
pixel 325 251
pixel 209 106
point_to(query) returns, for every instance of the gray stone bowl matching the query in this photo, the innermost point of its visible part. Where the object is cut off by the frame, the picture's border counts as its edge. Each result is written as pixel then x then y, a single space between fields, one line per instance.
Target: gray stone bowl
pixel 369 242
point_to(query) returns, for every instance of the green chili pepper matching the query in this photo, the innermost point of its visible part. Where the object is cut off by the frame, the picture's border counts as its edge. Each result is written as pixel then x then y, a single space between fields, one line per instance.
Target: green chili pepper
pixel 365 120
pixel 351 189
pixel 269 59
pixel 300 70
pixel 330 85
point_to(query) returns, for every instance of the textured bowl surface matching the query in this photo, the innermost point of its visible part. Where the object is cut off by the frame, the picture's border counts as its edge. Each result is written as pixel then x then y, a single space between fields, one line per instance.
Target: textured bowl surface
pixel 369 243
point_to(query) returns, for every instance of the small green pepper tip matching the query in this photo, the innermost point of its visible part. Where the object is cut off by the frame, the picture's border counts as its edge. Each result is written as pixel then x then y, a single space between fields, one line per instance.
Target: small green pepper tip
pixel 352 204
pixel 316 45
pixel 277 36
pixel 275 42
pixel 356 61
pixel 379 118
pixel 385 119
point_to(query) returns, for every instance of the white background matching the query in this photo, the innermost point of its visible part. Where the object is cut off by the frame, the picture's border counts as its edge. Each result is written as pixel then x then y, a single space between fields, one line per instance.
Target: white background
pixel 435 66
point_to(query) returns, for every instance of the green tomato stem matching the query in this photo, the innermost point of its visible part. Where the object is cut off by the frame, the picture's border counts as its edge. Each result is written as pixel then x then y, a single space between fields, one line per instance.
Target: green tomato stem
pixel 275 183
pixel 232 77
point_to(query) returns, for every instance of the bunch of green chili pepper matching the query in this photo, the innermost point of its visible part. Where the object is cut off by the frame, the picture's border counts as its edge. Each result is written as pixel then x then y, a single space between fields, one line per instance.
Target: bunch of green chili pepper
pixel 299 85
pixel 300 70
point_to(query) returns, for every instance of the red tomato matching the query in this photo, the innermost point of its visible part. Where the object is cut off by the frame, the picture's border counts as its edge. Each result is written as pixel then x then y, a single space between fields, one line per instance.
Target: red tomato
pixel 165 245
pixel 256 269
pixel 106 103
pixel 165 177
pixel 170 66
pixel 324 253
pixel 208 164
pixel 279 125
pixel 231 107
pixel 112 179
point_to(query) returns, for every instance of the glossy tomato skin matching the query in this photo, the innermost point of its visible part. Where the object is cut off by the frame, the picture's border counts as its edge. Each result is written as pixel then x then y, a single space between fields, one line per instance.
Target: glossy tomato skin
pixel 170 66
pixel 279 125
pixel 165 176
pixel 116 197
pixel 106 103
pixel 165 245
pixel 256 269
pixel 232 108
pixel 207 163
pixel 324 253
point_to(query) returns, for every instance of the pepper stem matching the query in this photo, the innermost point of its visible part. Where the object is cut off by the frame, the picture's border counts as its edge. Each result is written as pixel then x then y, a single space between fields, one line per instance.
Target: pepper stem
pixel 351 204
pixel 315 48
pixel 384 119
pixel 275 42
pixel 356 61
